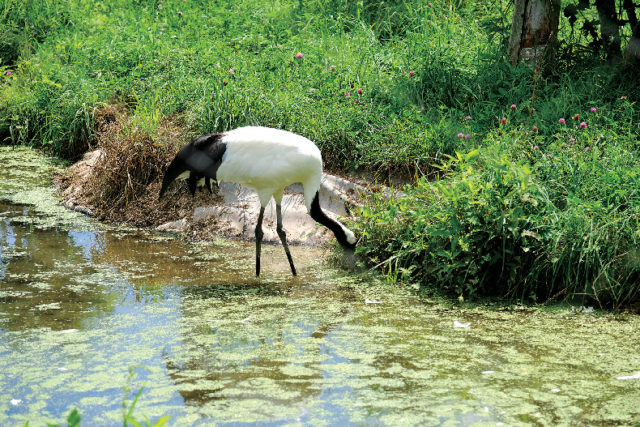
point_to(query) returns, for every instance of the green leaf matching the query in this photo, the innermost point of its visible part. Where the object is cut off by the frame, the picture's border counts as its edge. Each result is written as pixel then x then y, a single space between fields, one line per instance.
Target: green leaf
pixel 529 233
pixel 162 421
pixel 472 154
pixel 74 418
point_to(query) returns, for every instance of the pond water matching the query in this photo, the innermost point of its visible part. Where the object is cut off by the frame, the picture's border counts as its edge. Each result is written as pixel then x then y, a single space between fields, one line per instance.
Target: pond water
pixel 90 314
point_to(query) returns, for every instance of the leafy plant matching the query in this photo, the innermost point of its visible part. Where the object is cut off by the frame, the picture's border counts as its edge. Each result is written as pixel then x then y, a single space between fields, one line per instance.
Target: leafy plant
pixel 557 223
pixel 130 419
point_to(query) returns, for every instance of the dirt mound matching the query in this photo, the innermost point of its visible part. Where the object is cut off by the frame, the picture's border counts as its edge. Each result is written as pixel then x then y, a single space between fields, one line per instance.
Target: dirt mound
pixel 120 181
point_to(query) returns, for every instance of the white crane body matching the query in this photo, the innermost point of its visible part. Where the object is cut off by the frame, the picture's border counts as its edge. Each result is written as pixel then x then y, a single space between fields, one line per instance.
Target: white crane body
pixel 266 160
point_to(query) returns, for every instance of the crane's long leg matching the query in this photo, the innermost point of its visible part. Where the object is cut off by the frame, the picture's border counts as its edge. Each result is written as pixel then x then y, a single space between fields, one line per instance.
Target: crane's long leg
pixel 283 237
pixel 259 235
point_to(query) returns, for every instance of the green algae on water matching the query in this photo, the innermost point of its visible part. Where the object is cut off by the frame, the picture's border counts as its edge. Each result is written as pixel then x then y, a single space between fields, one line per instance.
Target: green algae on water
pixel 91 314
pixel 26 176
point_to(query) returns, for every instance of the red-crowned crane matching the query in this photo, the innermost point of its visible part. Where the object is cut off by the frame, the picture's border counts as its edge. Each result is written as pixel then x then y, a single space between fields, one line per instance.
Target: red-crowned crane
pixel 266 160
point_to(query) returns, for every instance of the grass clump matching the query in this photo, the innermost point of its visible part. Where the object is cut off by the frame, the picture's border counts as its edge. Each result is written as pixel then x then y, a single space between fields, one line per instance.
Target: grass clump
pixel 121 184
pixel 226 66
pixel 528 216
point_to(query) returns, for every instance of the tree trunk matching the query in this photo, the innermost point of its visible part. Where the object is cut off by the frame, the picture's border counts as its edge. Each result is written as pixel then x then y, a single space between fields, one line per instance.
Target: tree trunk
pixel 609 28
pixel 534 28
pixel 632 52
pixel 633 48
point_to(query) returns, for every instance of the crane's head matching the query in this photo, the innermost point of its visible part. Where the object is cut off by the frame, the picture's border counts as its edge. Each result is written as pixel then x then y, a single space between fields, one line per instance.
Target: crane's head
pixel 347 239
pixel 350 239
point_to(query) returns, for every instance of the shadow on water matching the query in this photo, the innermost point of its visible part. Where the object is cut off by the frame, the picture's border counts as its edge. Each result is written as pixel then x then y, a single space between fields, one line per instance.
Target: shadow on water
pixel 83 305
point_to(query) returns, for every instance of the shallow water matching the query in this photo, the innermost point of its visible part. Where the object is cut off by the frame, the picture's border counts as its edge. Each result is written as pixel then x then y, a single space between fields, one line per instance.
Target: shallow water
pixel 89 314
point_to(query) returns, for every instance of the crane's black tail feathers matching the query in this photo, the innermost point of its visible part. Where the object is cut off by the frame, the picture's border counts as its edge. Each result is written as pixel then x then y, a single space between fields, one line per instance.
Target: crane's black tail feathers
pixel 200 158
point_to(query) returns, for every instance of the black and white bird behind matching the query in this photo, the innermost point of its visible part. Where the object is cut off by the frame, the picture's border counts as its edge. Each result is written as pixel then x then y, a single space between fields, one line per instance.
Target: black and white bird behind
pixel 266 160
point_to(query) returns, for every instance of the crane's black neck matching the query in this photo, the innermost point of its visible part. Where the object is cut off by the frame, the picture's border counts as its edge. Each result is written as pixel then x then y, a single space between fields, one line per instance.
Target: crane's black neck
pixel 338 229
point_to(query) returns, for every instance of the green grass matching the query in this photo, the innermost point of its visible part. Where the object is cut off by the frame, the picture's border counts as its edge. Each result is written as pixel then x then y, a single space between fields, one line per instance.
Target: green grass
pixel 507 220
pixel 163 64
pixel 527 216
pixel 128 419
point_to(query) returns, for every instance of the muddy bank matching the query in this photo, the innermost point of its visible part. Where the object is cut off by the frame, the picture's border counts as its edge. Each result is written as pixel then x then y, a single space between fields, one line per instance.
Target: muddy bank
pixel 119 183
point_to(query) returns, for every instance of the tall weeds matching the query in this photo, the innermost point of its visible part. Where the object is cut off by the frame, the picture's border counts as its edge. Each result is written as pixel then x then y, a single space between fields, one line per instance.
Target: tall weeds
pixel 528 217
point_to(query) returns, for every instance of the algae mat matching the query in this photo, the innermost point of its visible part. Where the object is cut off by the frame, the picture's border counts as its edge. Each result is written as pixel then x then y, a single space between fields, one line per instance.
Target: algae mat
pixel 91 314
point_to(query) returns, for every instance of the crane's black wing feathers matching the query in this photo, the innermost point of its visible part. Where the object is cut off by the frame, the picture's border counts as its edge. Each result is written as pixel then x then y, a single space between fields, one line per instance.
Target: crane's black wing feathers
pixel 201 158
